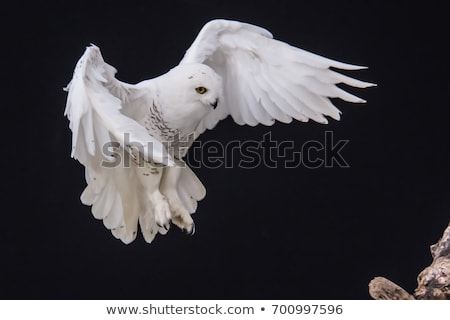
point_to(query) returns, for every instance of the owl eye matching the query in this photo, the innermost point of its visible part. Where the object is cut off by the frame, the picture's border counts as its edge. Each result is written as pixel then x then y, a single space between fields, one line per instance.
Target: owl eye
pixel 201 90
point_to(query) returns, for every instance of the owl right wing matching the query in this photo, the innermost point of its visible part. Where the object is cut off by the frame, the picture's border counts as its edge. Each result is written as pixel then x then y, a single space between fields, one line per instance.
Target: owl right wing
pixel 104 139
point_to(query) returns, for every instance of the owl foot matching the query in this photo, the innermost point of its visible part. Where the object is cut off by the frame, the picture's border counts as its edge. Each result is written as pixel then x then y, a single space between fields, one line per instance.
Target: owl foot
pixel 161 210
pixel 181 217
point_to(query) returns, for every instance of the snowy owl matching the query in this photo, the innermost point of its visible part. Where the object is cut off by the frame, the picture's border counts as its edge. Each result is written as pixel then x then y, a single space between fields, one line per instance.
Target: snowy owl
pixel 232 68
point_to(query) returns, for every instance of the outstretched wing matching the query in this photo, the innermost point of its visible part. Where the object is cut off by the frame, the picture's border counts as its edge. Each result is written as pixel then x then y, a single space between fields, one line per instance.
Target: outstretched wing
pixel 97 105
pixel 266 79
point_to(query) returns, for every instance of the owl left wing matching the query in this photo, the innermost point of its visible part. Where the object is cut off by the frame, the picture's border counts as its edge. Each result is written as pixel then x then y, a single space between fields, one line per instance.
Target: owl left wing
pixel 265 79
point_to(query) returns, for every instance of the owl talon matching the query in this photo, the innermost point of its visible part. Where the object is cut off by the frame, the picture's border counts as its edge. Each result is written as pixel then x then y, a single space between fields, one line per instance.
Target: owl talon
pixel 190 230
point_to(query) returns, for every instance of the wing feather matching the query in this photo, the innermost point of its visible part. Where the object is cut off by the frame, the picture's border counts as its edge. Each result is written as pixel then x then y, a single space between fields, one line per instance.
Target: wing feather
pixel 269 101
pixel 190 189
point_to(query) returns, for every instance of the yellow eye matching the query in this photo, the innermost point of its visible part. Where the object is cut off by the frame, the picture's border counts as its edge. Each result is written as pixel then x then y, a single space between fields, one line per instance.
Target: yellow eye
pixel 201 90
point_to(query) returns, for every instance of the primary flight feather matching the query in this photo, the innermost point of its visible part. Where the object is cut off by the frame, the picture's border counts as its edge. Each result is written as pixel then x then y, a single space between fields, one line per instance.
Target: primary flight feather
pixel 132 138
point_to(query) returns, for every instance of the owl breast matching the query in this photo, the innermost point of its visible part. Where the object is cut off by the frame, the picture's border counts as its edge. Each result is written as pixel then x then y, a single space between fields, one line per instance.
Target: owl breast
pixel 173 139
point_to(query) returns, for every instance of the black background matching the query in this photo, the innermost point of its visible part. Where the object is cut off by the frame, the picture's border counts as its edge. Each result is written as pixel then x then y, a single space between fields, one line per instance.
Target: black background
pixel 262 233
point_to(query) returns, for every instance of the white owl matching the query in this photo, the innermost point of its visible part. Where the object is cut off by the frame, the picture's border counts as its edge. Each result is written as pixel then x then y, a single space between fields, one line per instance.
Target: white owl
pixel 232 68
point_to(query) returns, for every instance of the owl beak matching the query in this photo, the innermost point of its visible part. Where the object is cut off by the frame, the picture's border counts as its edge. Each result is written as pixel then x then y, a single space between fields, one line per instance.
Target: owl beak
pixel 214 104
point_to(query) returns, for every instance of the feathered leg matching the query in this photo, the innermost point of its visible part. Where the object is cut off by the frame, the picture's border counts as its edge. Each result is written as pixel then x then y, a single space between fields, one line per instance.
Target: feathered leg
pixel 168 186
pixel 157 210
